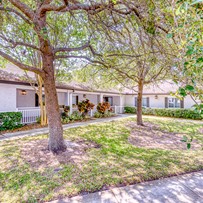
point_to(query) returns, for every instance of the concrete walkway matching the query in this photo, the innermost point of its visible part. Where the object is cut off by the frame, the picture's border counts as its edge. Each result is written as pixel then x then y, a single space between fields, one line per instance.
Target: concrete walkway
pixel 181 189
pixel 45 130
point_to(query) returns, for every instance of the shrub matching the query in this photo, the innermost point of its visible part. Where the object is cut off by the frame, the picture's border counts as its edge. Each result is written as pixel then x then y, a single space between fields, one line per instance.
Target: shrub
pixel 75 116
pixel 176 113
pixel 98 115
pixel 129 109
pixel 103 107
pixel 10 120
pixel 38 120
pixel 103 115
pixel 65 120
pixel 85 106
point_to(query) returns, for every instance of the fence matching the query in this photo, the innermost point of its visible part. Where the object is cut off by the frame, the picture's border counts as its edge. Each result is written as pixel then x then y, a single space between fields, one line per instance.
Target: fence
pixel 30 114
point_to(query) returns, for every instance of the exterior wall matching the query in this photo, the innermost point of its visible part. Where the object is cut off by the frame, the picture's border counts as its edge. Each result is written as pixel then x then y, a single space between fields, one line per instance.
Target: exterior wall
pixel 129 100
pixel 157 103
pixel 27 100
pixel 62 98
pixel 92 97
pixel 188 102
pixel 7 97
pixel 11 98
pixel 116 101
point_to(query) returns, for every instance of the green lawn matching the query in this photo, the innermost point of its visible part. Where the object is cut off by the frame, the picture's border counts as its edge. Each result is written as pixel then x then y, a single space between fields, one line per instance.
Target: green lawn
pixel 116 162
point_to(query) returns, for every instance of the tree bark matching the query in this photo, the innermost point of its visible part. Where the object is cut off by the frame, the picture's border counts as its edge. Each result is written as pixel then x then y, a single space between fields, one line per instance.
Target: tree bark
pixel 56 141
pixel 139 102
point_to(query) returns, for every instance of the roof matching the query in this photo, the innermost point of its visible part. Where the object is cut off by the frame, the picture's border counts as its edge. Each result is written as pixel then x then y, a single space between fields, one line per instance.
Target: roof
pixel 13 74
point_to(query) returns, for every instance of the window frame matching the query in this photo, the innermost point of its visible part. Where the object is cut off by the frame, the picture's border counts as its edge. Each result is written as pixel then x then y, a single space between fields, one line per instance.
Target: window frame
pixel 176 103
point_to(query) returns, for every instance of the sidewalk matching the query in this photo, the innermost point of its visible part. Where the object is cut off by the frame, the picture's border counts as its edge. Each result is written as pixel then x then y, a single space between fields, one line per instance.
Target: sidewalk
pixel 181 189
pixel 45 130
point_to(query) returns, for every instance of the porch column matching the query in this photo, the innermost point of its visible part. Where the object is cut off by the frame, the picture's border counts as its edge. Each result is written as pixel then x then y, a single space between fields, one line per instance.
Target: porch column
pixel 71 102
pixel 67 98
pixel 101 97
pixel 121 103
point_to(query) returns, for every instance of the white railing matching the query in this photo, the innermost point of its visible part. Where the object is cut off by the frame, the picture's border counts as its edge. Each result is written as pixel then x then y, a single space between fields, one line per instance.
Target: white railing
pixel 118 109
pixel 29 115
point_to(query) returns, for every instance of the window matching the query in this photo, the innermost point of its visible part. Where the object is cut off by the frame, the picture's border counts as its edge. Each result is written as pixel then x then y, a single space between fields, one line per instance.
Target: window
pixel 145 101
pixel 75 100
pixel 109 99
pixel 37 100
pixel 173 103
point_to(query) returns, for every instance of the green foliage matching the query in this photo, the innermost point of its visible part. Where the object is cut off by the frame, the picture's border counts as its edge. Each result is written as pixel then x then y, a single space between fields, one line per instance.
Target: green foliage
pixel 103 115
pixel 38 120
pixel 75 116
pixel 130 109
pixel 10 120
pixel 65 120
pixel 66 110
pixel 187 140
pixel 115 162
pixel 188 34
pixel 176 113
pixel 85 106
pixel 103 107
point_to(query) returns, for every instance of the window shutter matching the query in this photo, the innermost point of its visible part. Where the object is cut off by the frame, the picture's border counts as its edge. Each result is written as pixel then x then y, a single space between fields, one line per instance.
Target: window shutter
pixel 166 102
pixel 136 101
pixel 148 102
pixel 36 100
pixel 182 104
pixel 76 100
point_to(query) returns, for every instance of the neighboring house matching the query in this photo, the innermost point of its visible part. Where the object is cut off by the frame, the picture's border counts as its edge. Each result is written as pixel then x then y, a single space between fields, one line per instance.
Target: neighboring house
pixel 17 94
pixel 159 96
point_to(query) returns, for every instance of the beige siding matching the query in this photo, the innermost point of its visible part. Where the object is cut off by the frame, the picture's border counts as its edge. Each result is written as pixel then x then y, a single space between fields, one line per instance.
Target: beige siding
pixel 27 100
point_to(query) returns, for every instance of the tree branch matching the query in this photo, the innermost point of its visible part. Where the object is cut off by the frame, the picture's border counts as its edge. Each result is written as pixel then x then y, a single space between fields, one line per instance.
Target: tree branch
pixel 80 57
pixel 70 49
pixel 19 43
pixel 23 8
pixel 8 9
pixel 21 65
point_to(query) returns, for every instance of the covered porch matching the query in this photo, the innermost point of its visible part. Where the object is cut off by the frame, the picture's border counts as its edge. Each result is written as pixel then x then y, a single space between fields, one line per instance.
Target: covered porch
pixel 28 103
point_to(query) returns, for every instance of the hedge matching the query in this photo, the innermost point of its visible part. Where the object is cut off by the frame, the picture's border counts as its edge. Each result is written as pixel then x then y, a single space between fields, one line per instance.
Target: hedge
pixel 10 120
pixel 176 113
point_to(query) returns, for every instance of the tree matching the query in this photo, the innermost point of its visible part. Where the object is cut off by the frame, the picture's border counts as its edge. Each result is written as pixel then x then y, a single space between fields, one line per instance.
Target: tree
pixel 54 29
pixel 137 49
pixel 187 32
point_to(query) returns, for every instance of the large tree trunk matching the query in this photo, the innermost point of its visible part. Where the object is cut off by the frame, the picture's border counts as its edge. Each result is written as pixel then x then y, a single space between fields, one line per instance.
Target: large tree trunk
pixel 56 141
pixel 139 102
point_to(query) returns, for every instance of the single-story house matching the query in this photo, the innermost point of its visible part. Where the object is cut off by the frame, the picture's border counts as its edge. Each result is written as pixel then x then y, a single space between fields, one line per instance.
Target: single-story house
pixel 17 94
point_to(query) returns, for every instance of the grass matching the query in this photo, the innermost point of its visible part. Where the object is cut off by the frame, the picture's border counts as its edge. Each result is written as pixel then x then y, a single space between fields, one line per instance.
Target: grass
pixel 115 163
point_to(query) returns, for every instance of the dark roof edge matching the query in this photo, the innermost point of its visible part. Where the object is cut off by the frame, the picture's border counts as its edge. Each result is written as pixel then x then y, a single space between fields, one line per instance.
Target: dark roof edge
pixel 149 94
pixel 58 87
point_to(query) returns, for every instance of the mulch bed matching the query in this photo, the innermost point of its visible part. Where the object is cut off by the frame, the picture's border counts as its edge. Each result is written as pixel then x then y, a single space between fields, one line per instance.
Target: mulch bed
pixel 37 125
pixel 37 155
pixel 23 128
pixel 152 137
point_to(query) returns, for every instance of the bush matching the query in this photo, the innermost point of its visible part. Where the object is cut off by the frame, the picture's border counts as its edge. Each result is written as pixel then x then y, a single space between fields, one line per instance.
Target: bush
pixel 129 109
pixel 103 107
pixel 75 116
pixel 85 106
pixel 176 113
pixel 65 120
pixel 98 115
pixel 103 115
pixel 10 120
